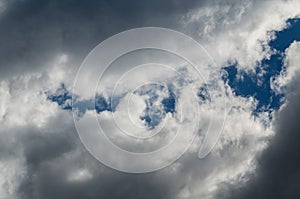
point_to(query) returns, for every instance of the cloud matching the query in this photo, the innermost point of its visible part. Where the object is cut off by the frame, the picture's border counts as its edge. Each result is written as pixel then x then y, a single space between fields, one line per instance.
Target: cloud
pixel 228 31
pixel 291 68
pixel 41 155
pixel 49 161
pixel 48 29
pixel 277 172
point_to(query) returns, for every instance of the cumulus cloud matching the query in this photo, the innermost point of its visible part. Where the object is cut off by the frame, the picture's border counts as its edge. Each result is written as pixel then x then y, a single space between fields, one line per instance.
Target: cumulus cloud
pixel 277 172
pixel 41 155
pixel 291 68
pixel 232 31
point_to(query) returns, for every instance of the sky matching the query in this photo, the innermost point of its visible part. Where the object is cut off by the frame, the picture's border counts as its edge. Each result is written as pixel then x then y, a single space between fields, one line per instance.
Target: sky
pixel 244 89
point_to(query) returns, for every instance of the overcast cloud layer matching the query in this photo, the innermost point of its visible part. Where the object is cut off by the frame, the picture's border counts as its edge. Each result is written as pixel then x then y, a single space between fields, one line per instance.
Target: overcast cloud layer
pixel 42 46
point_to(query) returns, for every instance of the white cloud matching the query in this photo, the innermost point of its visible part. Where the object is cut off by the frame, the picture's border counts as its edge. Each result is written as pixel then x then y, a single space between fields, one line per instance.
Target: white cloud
pixel 291 68
pixel 235 31
pixel 12 173
pixel 80 175
pixel 239 30
pixel 24 108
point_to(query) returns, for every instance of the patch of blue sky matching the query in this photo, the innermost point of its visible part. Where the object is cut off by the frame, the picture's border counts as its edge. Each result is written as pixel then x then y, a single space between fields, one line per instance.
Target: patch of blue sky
pixel 203 93
pixel 169 103
pixel 63 98
pixel 154 112
pixel 152 116
pixel 258 83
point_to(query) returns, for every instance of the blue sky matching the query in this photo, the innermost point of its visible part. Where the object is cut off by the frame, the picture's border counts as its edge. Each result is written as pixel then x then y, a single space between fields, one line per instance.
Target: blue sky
pixel 246 84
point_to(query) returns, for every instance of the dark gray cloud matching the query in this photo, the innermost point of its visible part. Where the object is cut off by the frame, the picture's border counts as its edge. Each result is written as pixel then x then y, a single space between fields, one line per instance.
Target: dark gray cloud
pixel 278 173
pixel 50 180
pixel 33 32
pixel 51 160
pixel 53 154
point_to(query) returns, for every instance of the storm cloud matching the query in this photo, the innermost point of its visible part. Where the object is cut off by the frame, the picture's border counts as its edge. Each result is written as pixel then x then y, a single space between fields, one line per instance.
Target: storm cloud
pixel 42 46
pixel 33 32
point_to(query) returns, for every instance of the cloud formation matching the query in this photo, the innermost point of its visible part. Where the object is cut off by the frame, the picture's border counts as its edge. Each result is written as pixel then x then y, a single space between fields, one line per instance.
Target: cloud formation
pixel 277 172
pixel 42 45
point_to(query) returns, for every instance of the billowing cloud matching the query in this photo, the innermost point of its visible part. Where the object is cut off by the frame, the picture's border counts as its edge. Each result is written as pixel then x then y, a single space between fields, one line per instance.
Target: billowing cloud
pixel 277 172
pixel 42 46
